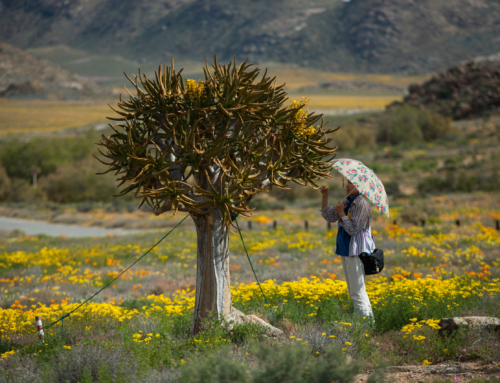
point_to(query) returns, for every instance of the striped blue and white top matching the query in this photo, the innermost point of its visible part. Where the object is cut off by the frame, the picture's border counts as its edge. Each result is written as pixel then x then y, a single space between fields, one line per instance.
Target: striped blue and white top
pixel 357 224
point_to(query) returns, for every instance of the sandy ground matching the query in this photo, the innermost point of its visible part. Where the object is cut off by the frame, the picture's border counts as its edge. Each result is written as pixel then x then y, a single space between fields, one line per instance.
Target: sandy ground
pixel 462 372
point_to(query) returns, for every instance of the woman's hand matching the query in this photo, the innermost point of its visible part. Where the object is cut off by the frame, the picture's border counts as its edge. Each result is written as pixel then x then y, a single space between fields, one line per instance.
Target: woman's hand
pixel 324 190
pixel 339 208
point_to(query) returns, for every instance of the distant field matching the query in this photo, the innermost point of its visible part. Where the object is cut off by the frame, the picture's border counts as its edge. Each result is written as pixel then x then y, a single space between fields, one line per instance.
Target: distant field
pixel 30 116
pixel 324 103
pixel 23 116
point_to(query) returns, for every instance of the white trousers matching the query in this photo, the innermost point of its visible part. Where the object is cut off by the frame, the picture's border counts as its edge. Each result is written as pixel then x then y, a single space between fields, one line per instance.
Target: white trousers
pixel 354 271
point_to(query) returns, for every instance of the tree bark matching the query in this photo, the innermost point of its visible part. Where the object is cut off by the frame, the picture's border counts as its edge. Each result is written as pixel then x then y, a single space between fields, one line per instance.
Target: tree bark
pixel 213 294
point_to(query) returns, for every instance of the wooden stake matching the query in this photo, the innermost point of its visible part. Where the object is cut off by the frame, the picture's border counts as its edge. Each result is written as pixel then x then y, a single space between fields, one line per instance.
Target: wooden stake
pixel 39 327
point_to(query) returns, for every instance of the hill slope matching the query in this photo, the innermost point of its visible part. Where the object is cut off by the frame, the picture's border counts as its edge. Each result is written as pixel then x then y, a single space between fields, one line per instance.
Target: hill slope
pixel 24 75
pixel 360 35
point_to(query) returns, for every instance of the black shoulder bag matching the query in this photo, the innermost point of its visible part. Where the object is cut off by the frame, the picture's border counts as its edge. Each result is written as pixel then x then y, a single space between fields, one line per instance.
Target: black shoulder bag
pixel 374 262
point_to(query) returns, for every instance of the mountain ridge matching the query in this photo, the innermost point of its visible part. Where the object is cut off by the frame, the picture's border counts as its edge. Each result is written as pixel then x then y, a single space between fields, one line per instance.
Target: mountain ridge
pixel 27 76
pixel 378 36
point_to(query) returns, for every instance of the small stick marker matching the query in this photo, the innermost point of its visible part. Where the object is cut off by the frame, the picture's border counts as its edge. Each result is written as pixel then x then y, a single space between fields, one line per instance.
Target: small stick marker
pixel 39 327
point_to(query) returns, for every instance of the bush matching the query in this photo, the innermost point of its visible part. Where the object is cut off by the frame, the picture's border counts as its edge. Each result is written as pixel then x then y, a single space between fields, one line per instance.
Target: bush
pixel 392 188
pixel 433 125
pixel 23 191
pixel 353 136
pixel 459 182
pixel 423 164
pixel 408 124
pixel 21 158
pixel 79 182
pixel 414 214
pixel 5 184
pixel 273 363
pixel 399 125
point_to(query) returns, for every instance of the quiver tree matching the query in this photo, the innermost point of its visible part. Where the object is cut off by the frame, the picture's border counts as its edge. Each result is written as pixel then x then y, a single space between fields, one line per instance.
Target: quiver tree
pixel 207 148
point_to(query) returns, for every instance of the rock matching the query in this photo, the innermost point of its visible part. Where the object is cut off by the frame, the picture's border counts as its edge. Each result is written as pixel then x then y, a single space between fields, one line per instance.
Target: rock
pixel 464 91
pixel 237 317
pixel 449 325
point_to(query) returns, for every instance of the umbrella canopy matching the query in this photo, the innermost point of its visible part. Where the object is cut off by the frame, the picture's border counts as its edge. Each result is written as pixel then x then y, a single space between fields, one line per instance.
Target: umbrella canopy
pixel 365 180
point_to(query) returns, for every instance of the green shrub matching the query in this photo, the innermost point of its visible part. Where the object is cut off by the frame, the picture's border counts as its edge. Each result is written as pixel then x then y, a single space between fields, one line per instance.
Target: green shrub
pixel 459 182
pixel 392 188
pixel 399 125
pixel 21 157
pixel 421 163
pixel 5 184
pixel 353 136
pixel 408 124
pixel 79 182
pixel 272 363
pixel 433 125
pixel 414 214
pixel 22 190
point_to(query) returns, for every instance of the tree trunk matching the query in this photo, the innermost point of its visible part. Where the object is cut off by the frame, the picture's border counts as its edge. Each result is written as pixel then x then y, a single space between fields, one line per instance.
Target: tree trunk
pixel 213 294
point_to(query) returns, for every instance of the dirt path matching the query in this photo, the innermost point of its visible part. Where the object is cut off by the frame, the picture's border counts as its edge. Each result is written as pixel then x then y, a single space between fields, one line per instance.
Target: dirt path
pixel 463 371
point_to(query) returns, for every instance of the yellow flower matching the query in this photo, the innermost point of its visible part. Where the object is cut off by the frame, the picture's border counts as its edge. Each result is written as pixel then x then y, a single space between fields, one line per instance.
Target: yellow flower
pixel 292 337
pixel 323 334
pixel 195 88
pixel 348 343
pixel 7 354
pixel 426 363
pixel 67 347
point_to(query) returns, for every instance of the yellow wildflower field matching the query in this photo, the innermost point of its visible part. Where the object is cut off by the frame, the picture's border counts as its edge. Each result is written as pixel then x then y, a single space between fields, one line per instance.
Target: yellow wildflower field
pixel 30 116
pixel 438 265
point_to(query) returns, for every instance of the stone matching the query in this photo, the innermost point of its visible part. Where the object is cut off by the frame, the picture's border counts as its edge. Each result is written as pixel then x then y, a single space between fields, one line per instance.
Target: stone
pixel 237 317
pixel 449 325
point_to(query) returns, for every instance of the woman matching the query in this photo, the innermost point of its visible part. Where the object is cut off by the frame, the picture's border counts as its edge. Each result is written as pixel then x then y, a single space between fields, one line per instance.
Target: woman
pixel 354 237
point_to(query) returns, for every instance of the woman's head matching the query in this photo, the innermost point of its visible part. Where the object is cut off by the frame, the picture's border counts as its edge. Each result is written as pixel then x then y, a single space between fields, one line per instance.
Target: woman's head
pixel 351 189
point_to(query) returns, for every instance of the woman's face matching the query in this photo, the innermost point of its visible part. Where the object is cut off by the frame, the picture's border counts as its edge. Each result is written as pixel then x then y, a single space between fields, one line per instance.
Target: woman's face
pixel 351 189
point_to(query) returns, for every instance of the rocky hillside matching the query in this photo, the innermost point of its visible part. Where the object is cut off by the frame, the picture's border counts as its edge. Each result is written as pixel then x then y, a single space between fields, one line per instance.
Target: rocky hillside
pixel 408 36
pixel 23 75
pixel 465 91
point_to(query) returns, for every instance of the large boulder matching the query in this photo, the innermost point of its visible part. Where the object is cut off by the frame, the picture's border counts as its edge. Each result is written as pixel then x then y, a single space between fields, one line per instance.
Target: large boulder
pixel 449 325
pixel 237 317
pixel 465 91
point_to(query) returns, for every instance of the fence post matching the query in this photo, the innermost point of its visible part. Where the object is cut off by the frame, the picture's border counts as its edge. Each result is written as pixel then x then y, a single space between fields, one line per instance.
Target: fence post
pixel 498 224
pixel 395 222
pixel 329 226
pixel 457 222
pixel 39 327
pixel 306 224
pixel 422 221
pixel 249 225
pixel 275 224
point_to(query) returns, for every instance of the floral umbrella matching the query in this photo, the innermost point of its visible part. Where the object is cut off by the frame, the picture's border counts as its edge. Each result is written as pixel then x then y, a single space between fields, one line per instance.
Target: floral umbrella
pixel 365 180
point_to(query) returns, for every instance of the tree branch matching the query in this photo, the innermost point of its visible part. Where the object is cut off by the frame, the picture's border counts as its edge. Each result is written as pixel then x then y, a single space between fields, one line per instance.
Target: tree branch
pixel 167 206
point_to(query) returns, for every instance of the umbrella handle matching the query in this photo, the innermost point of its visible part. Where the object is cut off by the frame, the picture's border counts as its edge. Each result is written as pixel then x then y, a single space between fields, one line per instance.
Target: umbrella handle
pixel 348 194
